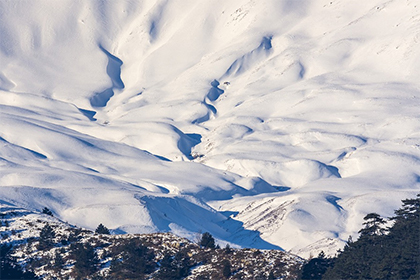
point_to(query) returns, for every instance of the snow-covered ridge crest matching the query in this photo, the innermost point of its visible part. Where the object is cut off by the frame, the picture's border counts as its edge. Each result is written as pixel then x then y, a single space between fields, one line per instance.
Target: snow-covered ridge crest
pixel 191 116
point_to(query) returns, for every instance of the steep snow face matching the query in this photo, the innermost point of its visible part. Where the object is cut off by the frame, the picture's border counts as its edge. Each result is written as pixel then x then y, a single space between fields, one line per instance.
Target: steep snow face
pixel 268 123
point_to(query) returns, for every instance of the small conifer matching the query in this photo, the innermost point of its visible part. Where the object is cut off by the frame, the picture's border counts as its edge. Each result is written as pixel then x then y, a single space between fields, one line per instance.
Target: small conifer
pixel 101 229
pixel 207 241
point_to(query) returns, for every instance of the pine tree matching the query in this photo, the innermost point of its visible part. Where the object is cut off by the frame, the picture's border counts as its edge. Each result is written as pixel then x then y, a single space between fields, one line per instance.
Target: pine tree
pixel 86 260
pixel 316 267
pixel 183 263
pixel 9 269
pixel 101 229
pixel 226 268
pixel 373 225
pixel 47 211
pixel 375 255
pixel 58 263
pixel 405 236
pixel 228 249
pixel 176 267
pixel 134 261
pixel 207 241
pixel 410 211
pixel 46 238
pixel 166 270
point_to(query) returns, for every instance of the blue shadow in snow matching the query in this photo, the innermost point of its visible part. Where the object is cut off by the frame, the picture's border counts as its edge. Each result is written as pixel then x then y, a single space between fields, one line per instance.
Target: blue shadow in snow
pixel 113 70
pixel 215 92
pixel 194 218
pixel 266 43
pixel 333 200
pixel 34 153
pixel 334 170
pixel 88 114
pixel 187 142
pixel 281 188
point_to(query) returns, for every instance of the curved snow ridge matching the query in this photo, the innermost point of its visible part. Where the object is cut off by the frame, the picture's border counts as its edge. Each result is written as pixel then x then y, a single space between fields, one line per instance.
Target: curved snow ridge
pixel 292 173
pixel 162 139
pixel 248 61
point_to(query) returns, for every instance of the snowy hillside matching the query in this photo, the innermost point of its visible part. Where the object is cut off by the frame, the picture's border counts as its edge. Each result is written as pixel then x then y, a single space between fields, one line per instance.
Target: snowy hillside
pixel 52 249
pixel 270 124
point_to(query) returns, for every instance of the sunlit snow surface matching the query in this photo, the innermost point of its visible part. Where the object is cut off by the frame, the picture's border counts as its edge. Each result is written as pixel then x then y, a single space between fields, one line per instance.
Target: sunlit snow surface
pixel 270 124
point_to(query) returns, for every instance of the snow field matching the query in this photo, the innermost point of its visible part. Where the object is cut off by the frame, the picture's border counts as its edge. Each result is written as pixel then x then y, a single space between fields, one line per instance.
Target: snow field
pixel 271 124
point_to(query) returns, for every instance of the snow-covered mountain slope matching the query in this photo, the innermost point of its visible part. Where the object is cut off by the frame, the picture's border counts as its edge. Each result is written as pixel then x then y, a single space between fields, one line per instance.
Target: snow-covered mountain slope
pixel 33 249
pixel 267 123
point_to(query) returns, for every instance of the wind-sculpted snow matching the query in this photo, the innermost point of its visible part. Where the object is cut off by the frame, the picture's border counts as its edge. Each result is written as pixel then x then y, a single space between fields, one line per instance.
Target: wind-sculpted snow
pixel 113 70
pixel 274 124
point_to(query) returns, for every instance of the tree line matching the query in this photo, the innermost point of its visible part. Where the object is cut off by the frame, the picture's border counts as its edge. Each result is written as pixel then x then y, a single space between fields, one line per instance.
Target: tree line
pixel 380 252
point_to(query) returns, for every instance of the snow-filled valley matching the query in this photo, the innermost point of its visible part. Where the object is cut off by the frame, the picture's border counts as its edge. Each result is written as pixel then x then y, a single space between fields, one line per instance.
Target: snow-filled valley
pixel 269 124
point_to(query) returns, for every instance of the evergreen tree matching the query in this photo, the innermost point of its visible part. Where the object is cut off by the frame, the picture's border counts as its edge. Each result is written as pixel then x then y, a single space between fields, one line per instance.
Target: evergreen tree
pixel 183 263
pixel 228 249
pixel 47 211
pixel 176 267
pixel 86 260
pixel 101 229
pixel 166 270
pixel 134 261
pixel 226 268
pixel 405 236
pixel 375 255
pixel 409 211
pixel 46 238
pixel 373 225
pixel 207 241
pixel 9 269
pixel 316 267
pixel 58 263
